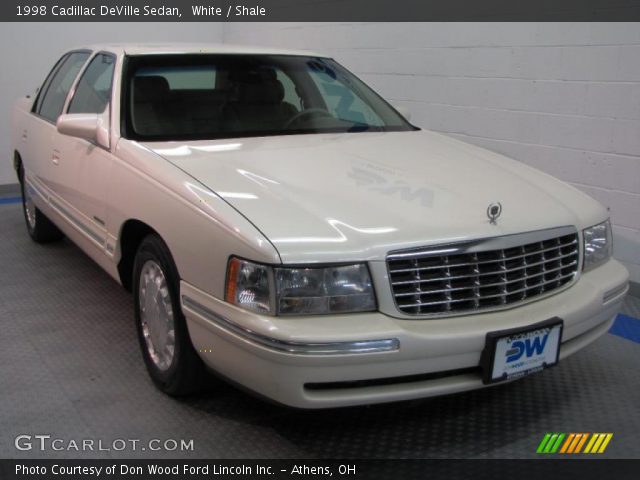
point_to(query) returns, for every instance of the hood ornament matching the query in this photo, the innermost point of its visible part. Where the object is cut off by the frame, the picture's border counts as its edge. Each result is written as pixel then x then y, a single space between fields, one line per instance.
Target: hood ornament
pixel 494 210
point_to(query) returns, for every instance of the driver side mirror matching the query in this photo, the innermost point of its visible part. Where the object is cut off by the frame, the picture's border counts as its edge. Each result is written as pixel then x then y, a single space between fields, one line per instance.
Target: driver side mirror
pixel 88 126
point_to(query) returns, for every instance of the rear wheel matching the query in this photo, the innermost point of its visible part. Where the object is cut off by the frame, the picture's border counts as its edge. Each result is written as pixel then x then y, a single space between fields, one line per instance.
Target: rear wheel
pixel 39 227
pixel 171 360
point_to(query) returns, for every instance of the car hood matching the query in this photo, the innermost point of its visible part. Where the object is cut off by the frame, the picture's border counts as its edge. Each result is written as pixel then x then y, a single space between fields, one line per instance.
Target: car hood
pixel 346 197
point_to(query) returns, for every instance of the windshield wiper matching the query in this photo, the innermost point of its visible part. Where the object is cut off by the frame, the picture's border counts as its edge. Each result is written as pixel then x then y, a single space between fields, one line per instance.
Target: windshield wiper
pixel 359 127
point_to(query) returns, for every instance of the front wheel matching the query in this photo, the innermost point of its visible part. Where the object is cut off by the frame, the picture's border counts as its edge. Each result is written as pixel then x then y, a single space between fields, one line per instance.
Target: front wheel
pixel 171 360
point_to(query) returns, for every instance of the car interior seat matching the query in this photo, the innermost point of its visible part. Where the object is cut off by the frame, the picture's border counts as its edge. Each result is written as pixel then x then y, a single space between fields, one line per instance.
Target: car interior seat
pixel 258 103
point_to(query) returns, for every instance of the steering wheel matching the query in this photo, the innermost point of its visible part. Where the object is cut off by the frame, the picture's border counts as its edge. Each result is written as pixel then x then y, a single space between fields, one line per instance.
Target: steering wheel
pixel 305 114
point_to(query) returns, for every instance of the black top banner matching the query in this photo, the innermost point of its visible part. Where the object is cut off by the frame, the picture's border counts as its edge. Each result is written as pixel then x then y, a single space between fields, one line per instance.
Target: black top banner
pixel 318 10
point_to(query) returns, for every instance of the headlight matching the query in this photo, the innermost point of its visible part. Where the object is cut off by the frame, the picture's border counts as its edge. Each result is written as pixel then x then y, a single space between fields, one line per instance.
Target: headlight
pixel 324 290
pixel 249 285
pixel 300 291
pixel 597 245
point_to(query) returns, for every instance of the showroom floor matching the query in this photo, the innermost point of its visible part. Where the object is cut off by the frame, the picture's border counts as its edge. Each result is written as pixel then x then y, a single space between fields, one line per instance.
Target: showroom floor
pixel 70 367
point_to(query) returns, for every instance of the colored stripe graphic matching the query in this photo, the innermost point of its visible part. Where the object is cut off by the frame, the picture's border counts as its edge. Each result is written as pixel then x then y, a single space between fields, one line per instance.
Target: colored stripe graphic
pixel 556 445
pixel 573 443
pixel 567 443
pixel 598 443
pixel 581 442
pixel 550 443
pixel 543 443
pixel 590 444
pixel 605 443
pixel 599 437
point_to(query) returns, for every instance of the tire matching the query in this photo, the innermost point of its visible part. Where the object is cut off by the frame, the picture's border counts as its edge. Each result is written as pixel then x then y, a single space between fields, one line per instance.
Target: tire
pixel 39 227
pixel 171 360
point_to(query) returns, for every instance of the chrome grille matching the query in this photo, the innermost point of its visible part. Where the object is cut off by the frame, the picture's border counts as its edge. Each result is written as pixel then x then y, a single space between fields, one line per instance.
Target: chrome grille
pixel 483 275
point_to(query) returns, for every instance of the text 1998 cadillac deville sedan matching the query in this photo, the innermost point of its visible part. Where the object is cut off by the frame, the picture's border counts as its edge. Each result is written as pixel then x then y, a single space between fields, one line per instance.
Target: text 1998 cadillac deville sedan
pixel 278 222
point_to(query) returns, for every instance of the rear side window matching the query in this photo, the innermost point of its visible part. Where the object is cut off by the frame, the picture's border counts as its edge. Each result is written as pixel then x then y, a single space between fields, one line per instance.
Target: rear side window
pixel 56 88
pixel 94 88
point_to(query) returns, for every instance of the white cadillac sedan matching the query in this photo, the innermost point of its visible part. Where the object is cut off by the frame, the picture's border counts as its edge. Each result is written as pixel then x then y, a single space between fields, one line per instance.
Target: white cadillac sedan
pixel 281 224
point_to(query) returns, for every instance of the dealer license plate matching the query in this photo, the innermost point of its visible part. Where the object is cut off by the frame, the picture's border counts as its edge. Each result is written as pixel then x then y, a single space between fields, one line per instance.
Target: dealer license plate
pixel 510 354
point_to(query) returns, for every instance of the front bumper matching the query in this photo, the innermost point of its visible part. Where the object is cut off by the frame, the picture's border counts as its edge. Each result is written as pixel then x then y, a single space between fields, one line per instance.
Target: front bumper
pixel 299 361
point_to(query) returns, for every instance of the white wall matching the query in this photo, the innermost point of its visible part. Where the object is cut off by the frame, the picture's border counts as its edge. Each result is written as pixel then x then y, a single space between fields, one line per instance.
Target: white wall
pixel 29 50
pixel 564 98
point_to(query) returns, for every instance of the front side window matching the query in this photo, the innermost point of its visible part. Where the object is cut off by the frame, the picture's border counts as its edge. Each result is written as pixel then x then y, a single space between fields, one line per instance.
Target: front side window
pixel 56 88
pixel 94 87
pixel 203 96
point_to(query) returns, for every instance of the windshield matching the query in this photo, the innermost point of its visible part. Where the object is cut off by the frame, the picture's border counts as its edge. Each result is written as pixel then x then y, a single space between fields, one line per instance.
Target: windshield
pixel 202 96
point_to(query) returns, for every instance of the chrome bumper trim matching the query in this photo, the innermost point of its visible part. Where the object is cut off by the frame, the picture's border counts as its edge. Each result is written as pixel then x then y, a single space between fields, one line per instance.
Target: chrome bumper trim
pixel 297 348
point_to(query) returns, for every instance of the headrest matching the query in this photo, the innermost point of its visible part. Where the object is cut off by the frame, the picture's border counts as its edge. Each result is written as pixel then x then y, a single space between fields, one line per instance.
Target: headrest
pixel 258 86
pixel 150 88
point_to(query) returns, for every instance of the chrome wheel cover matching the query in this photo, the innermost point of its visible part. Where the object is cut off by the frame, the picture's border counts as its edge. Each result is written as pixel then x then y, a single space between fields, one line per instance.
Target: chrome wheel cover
pixel 156 315
pixel 29 208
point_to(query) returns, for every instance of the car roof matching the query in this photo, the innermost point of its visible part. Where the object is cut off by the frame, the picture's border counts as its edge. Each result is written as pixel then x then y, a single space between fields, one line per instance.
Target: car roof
pixel 178 48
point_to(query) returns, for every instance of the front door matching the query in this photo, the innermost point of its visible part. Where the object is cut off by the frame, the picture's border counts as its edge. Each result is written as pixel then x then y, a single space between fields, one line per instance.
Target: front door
pixel 79 176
